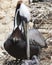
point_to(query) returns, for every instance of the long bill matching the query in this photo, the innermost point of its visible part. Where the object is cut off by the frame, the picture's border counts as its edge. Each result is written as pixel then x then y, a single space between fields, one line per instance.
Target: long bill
pixel 28 44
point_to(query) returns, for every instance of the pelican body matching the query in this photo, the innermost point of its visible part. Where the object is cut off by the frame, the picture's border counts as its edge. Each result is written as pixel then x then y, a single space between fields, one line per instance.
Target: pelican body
pixel 16 44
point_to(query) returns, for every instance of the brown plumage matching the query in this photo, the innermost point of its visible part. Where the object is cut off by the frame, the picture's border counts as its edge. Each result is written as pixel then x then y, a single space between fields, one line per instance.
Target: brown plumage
pixel 17 48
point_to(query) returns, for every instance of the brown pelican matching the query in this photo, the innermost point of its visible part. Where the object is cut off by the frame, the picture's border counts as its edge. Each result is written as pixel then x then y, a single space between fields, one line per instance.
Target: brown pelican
pixel 16 44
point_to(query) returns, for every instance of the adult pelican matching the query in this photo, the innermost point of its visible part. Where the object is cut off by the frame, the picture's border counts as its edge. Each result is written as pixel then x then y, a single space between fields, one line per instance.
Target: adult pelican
pixel 16 44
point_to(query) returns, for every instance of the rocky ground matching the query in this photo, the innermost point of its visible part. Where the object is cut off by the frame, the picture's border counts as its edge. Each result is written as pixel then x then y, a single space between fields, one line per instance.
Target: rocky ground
pixel 45 57
pixel 42 19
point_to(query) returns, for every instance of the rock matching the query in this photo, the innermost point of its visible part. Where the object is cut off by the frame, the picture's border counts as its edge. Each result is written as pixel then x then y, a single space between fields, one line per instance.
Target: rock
pixel 50 33
pixel 49 41
pixel 5 4
pixel 51 64
pixel 2 14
